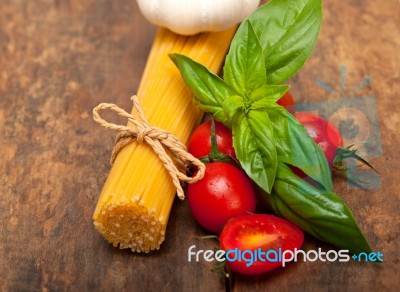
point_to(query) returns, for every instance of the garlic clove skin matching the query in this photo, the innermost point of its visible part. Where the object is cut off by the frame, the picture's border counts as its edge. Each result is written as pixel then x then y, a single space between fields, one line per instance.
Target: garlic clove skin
pixel 188 17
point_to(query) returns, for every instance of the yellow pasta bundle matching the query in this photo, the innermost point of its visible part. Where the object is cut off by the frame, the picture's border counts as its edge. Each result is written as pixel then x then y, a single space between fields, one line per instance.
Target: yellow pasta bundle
pixel 136 200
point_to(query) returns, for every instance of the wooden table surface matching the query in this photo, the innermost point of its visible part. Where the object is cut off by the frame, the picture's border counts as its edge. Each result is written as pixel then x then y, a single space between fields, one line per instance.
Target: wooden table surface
pixel 60 58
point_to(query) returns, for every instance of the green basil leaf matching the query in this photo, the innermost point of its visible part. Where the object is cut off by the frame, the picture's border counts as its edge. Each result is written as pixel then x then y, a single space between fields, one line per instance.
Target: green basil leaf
pixel 295 146
pixel 254 143
pixel 267 95
pixel 232 106
pixel 324 215
pixel 287 32
pixel 209 90
pixel 244 68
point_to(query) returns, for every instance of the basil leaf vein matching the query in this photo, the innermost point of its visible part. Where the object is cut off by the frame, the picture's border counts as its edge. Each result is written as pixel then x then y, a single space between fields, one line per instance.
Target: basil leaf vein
pixel 254 143
pixel 295 147
pixel 209 90
pixel 244 68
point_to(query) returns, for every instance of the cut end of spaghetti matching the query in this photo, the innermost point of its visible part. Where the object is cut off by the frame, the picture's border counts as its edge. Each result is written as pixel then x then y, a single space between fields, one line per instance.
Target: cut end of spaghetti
pixel 131 226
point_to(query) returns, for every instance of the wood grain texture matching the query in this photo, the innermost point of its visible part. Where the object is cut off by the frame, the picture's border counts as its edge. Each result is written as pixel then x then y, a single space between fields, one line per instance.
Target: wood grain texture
pixel 59 59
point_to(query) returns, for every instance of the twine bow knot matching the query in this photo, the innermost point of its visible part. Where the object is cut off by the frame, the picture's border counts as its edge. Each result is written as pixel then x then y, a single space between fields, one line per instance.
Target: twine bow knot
pixel 158 139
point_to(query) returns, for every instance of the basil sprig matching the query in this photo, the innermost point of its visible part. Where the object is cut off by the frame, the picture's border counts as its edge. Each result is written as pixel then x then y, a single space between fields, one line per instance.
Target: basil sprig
pixel 245 101
pixel 270 46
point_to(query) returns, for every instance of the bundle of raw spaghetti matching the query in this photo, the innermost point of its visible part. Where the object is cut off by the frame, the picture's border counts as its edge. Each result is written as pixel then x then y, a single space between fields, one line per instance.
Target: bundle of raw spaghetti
pixel 136 200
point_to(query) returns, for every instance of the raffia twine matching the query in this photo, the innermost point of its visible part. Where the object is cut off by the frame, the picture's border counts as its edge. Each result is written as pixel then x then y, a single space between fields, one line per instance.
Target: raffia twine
pixel 158 139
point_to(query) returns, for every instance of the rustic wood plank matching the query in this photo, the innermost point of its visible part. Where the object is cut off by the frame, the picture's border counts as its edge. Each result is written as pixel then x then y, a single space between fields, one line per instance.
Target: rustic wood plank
pixel 364 37
pixel 58 60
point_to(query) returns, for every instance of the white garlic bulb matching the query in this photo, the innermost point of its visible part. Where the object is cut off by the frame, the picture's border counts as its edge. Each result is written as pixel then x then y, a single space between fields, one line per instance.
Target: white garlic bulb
pixel 189 17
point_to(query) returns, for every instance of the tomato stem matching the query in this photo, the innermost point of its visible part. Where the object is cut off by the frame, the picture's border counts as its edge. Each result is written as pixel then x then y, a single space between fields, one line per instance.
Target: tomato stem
pixel 222 268
pixel 215 154
pixel 345 153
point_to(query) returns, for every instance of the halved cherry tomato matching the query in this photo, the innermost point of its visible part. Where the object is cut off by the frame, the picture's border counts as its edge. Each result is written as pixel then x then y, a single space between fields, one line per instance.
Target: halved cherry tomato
pixel 287 101
pixel 223 193
pixel 260 233
pixel 200 141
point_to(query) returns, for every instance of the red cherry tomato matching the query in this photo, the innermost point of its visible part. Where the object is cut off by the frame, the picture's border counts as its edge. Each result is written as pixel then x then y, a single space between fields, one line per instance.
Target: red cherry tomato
pixel 223 193
pixel 258 232
pixel 200 141
pixel 325 134
pixel 287 101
